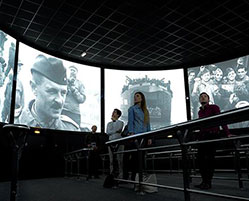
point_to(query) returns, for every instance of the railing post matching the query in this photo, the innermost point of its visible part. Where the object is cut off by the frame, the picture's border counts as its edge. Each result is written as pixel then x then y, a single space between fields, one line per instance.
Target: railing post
pixel 184 164
pixel 140 165
pixel 16 136
pixel 103 163
pixel 66 165
pixel 194 164
pixel 15 167
pixel 185 172
pixel 153 163
pixel 170 163
pixel 247 162
pixel 87 165
pixel 238 165
pixel 140 169
pixel 78 164
pixel 145 161
pixel 71 165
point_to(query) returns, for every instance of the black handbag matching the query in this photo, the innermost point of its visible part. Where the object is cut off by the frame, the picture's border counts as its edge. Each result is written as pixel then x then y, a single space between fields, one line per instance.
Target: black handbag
pixel 125 132
pixel 109 181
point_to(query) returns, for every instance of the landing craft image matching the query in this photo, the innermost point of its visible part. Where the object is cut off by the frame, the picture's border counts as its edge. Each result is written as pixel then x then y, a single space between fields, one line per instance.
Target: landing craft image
pixel 158 98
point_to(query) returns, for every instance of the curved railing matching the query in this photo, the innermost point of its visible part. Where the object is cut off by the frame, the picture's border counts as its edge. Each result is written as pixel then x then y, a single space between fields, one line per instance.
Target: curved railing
pixel 181 131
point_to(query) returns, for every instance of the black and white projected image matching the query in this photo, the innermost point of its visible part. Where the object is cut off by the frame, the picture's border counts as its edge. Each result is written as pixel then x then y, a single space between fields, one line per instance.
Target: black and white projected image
pixel 56 94
pixel 227 84
pixel 163 90
pixel 7 58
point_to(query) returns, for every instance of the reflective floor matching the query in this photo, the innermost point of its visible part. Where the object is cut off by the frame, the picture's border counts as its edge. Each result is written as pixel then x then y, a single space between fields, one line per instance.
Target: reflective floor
pixel 73 189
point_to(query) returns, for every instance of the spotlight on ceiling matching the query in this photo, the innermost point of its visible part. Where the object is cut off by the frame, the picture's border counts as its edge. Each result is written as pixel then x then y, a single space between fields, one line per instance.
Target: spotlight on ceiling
pixel 83 54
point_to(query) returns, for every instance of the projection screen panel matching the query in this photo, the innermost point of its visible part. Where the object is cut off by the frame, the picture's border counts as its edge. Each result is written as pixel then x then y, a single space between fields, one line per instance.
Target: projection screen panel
pixel 55 93
pixel 226 83
pixel 164 92
pixel 7 59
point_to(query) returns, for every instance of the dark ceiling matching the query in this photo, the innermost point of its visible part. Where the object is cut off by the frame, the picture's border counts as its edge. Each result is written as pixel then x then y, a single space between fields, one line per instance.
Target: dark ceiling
pixel 131 34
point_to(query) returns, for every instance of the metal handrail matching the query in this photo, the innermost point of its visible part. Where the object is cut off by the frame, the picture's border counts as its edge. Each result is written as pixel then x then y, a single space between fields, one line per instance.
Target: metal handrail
pixel 77 151
pixel 233 116
pixel 180 131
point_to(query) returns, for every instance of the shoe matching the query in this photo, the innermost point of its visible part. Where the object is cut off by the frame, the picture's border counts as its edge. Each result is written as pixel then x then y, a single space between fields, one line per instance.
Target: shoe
pixel 199 185
pixel 96 177
pixel 88 177
pixel 205 186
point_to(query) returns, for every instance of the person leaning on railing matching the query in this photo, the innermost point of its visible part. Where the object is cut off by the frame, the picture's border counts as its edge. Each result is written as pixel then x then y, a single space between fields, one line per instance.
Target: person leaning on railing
pixel 206 151
pixel 138 122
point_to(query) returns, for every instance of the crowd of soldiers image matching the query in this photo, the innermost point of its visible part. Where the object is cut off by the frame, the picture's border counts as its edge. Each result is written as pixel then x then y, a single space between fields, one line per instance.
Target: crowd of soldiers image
pixel 226 84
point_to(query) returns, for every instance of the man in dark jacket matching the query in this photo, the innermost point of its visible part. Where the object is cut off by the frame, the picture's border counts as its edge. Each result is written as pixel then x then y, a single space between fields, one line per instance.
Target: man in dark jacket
pixel 92 141
pixel 206 151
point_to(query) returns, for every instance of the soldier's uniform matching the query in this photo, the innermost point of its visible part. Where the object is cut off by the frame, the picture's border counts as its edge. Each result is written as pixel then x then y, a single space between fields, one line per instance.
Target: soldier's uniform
pixel 75 97
pixel 54 70
pixel 29 117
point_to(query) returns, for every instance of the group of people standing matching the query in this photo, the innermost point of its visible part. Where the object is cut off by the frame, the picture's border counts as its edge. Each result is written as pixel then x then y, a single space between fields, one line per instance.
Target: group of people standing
pixel 227 87
pixel 139 122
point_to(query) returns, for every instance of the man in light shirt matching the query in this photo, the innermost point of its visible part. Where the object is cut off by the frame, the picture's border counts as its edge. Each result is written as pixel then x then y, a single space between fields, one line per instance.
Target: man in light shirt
pixel 114 129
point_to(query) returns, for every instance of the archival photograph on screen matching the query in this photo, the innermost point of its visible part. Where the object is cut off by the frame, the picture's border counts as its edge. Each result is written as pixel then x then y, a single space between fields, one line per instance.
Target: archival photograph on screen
pixel 7 60
pixel 56 94
pixel 164 92
pixel 226 83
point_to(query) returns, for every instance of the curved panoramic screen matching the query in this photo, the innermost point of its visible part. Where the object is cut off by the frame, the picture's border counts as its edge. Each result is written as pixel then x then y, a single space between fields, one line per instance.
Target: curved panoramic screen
pixel 56 94
pixel 164 92
pixel 227 84
pixel 7 58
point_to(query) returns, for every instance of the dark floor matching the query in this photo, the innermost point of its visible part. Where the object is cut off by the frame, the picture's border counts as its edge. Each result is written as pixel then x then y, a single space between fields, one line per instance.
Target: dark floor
pixel 72 189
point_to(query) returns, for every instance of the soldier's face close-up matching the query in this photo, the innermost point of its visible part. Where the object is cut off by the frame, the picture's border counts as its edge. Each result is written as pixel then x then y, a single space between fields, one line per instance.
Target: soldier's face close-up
pixel 50 98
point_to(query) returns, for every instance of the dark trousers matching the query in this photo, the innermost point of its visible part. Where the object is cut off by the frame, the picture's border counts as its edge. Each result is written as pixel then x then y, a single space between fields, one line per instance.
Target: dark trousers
pixel 206 158
pixel 131 161
pixel 93 163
